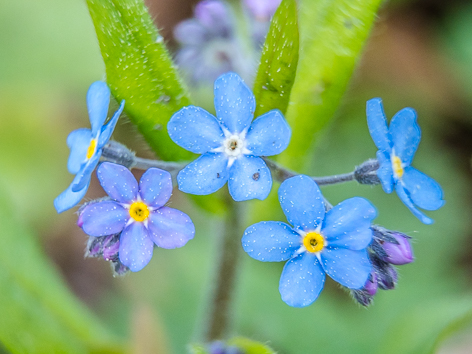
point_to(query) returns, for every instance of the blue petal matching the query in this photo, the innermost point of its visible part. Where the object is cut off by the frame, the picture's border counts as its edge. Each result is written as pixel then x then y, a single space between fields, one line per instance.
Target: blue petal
pixel 302 202
pixel 78 141
pixel 302 280
pixel 349 268
pixel 136 247
pixel 107 130
pixel 405 198
pixel 377 123
pixel 348 224
pixel 195 130
pixel 104 218
pixel 170 228
pixel 118 182
pixel 205 175
pixel 83 176
pixel 69 199
pixel 405 134
pixel 155 187
pixel 424 191
pixel 268 135
pixel 234 102
pixel 98 99
pixel 385 171
pixel 249 179
pixel 271 241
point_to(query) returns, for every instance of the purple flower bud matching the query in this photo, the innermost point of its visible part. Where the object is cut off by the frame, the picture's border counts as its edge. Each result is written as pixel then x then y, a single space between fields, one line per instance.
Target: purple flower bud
pixel 111 246
pixel 400 253
pixel 371 285
pixel 214 15
pixel 387 279
pixel 119 268
pixel 262 10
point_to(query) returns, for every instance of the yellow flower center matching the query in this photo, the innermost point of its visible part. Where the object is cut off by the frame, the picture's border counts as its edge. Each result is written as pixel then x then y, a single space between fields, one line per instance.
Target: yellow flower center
pixel 91 148
pixel 313 242
pixel 397 166
pixel 139 211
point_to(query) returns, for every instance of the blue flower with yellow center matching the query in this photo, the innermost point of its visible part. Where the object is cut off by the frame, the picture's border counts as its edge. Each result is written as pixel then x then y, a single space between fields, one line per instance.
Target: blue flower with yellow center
pixel 86 145
pixel 138 213
pixel 230 143
pixel 319 243
pixel 397 145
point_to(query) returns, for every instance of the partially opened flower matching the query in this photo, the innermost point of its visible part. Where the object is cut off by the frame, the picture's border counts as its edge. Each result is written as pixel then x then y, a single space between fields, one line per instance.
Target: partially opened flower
pixel 397 145
pixel 86 145
pixel 138 212
pixel 230 143
pixel 319 243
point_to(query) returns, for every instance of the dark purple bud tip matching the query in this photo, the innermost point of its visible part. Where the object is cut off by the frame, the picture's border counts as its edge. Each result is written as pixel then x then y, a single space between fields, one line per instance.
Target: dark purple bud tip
pixel 111 246
pixel 388 278
pixel 119 269
pixel 94 247
pixel 367 172
pixel 401 253
pixel 371 285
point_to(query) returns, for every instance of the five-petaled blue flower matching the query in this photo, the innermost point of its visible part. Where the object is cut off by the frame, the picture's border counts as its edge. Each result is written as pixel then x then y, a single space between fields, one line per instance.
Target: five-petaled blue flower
pixel 230 144
pixel 320 242
pixel 138 212
pixel 86 145
pixel 397 145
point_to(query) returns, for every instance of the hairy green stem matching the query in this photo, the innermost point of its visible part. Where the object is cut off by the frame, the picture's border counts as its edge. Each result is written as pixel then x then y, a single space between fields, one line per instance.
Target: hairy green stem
pixel 218 321
pixel 280 174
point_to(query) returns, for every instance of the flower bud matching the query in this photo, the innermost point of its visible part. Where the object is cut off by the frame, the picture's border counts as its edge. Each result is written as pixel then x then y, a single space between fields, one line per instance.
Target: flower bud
pixel 118 153
pixel 386 273
pixel 367 172
pixel 371 285
pixel 365 295
pixel 400 253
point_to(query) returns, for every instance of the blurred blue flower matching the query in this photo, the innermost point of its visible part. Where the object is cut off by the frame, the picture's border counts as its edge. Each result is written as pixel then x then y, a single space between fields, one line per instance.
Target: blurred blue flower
pixel 260 13
pixel 319 243
pixel 209 46
pixel 230 144
pixel 397 145
pixel 138 213
pixel 86 145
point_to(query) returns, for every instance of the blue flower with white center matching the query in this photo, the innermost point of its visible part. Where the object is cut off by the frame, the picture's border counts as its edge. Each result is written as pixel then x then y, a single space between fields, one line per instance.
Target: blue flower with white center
pixel 319 243
pixel 230 144
pixel 86 145
pixel 397 145
pixel 138 213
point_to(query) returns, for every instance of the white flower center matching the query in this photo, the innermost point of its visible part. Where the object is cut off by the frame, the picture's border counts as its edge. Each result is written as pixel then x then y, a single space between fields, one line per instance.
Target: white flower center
pixel 233 146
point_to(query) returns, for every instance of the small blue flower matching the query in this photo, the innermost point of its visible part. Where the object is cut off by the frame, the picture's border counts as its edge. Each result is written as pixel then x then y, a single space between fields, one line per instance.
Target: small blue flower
pixel 138 212
pixel 319 243
pixel 86 145
pixel 397 145
pixel 230 144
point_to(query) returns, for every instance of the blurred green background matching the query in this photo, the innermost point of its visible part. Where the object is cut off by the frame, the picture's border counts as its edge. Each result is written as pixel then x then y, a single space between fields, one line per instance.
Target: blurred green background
pixel 419 55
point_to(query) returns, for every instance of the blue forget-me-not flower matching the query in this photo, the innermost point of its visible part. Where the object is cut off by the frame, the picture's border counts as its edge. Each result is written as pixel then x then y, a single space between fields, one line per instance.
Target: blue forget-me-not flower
pixel 86 145
pixel 138 212
pixel 397 145
pixel 230 144
pixel 319 243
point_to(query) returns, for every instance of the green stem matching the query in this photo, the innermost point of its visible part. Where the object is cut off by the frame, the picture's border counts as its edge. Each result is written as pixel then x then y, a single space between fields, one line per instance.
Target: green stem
pixel 229 253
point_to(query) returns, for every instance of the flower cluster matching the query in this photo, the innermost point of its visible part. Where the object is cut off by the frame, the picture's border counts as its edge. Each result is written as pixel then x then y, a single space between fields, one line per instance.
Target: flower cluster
pixel 319 240
pixel 209 42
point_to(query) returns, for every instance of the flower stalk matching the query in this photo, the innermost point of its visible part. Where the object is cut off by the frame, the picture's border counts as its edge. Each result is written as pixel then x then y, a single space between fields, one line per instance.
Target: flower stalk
pixel 218 322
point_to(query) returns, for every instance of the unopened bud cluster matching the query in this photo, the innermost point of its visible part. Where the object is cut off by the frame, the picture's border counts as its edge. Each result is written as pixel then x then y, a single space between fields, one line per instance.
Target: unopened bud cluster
pixel 387 250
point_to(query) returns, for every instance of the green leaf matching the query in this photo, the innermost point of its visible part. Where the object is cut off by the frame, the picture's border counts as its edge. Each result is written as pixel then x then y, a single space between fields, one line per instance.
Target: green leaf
pixel 276 73
pixel 39 314
pixel 140 70
pixel 332 33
